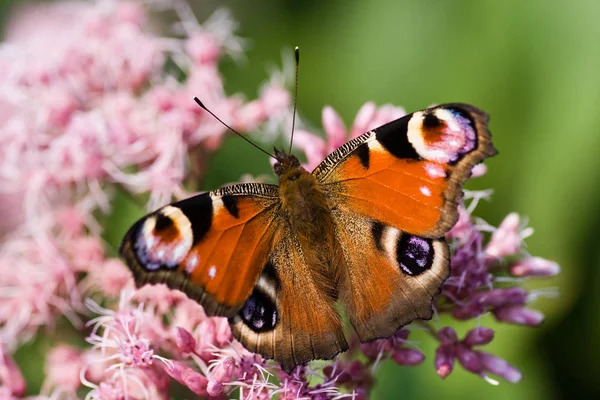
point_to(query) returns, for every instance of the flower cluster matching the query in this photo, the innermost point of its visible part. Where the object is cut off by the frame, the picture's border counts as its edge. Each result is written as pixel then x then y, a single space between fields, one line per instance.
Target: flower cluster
pixel 93 102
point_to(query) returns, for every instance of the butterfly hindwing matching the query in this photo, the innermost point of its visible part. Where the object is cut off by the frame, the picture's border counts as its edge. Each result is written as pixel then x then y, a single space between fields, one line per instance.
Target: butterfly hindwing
pixel 212 246
pixel 288 317
pixel 391 276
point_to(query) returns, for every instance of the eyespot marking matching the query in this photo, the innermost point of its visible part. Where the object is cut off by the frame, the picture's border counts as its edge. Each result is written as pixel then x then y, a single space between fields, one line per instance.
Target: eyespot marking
pixel 414 254
pixel 259 313
pixel 441 134
pixel 163 239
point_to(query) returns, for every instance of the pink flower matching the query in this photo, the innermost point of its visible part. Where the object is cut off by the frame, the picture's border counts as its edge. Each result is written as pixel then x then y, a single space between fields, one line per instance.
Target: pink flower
pixel 472 360
pixel 89 110
pixel 534 266
pixel 368 117
pixel 63 366
pixel 10 375
pixel 506 239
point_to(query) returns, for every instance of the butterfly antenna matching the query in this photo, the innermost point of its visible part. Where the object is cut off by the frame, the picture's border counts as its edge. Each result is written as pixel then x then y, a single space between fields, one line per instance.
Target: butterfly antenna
pixel 197 100
pixel 297 54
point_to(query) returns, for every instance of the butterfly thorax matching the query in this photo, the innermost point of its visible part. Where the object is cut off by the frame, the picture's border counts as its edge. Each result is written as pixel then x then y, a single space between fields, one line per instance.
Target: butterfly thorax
pixel 302 198
pixel 306 209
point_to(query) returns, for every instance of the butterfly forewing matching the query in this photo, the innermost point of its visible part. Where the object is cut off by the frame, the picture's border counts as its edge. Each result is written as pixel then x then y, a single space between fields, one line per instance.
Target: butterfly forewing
pixel 212 246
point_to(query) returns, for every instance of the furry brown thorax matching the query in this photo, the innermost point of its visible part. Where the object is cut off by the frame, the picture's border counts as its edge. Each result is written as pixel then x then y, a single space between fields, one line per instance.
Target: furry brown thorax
pixel 308 214
pixel 301 195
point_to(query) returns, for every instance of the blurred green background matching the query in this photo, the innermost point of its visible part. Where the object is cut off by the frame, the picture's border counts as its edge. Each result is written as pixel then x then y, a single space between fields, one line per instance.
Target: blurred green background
pixel 534 66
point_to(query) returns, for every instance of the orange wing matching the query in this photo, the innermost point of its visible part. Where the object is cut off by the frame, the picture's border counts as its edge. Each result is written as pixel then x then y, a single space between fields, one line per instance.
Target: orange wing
pixel 391 276
pixel 394 193
pixel 409 173
pixel 212 246
pixel 227 250
pixel 288 317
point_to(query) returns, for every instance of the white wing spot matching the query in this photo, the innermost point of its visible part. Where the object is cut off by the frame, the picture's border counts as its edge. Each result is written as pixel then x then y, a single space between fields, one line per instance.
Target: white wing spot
pixel 191 264
pixel 435 170
pixel 212 272
pixel 425 190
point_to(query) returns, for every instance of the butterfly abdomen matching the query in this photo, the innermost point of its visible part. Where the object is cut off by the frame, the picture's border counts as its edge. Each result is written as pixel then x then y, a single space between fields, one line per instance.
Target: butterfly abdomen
pixel 306 210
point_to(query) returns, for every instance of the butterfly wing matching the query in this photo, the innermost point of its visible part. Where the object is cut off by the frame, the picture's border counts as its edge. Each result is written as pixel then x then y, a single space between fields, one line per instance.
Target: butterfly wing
pixel 395 191
pixel 212 246
pixel 228 250
pixel 409 173
pixel 391 276
pixel 287 317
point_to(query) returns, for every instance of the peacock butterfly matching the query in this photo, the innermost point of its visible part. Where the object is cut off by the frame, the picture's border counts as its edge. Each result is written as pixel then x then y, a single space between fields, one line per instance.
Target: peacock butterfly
pixel 365 229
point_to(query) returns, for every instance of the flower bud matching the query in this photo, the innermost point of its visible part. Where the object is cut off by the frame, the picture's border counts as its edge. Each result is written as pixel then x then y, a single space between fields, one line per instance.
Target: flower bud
pixel 215 388
pixel 184 340
pixel 447 335
pixel 408 357
pixel 519 315
pixel 444 360
pixel 195 381
pixel 224 371
pixel 506 239
pixel 479 336
pixel 469 359
pixel 534 266
pixel 498 366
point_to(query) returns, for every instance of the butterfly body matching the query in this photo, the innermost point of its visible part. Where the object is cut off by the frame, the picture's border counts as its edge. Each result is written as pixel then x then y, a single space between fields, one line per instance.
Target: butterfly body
pixel 364 230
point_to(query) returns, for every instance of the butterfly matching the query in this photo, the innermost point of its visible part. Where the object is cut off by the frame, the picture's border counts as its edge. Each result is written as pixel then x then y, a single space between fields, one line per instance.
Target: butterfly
pixel 364 230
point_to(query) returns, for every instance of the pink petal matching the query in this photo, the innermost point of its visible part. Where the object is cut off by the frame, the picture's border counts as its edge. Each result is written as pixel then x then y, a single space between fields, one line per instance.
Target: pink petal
pixel 385 114
pixel 444 360
pixel 275 98
pixel 63 366
pixel 10 375
pixel 534 266
pixel 408 357
pixel 506 239
pixel 498 366
pixel 479 336
pixel 334 129
pixel 478 170
pixel 363 119
pixel 224 372
pixel 313 147
pixel 195 381
pixel 447 335
pixel 519 315
pixel 184 340
pixel 469 359
pixel 203 48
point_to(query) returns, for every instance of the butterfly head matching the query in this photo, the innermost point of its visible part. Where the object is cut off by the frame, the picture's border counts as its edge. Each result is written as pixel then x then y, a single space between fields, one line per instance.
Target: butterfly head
pixel 287 165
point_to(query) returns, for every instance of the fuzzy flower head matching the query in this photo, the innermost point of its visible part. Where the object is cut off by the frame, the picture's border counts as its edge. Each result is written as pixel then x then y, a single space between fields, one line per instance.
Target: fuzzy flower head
pixel 96 107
